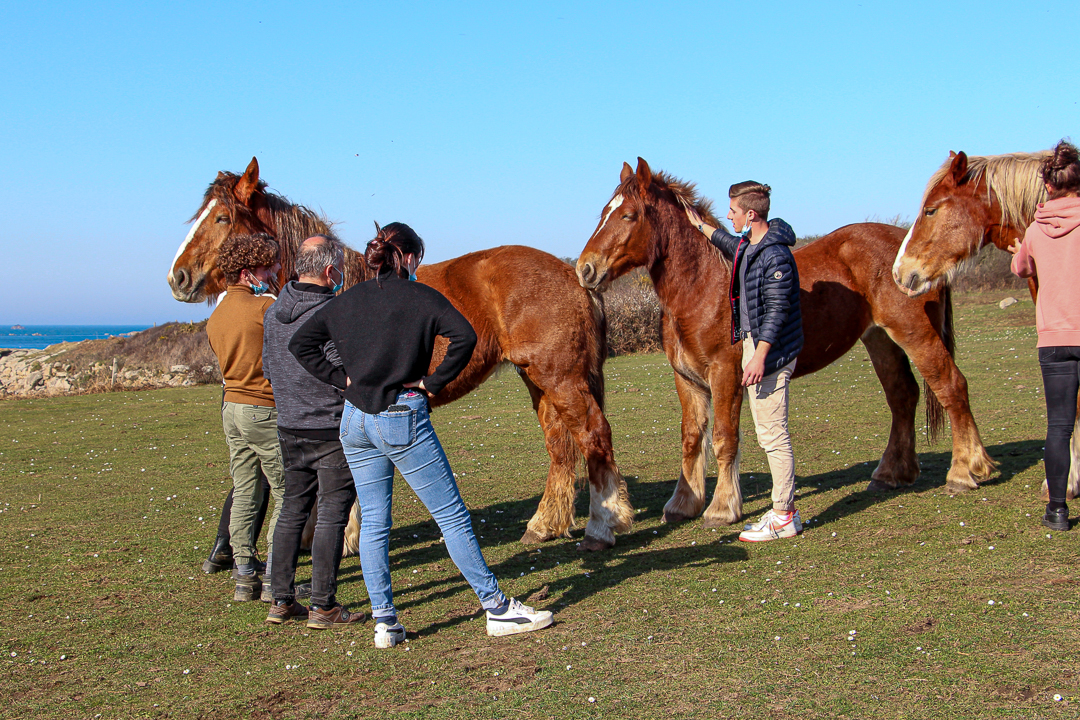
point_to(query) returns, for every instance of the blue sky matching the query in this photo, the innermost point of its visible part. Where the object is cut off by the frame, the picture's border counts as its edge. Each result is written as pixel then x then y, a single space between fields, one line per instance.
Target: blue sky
pixel 483 124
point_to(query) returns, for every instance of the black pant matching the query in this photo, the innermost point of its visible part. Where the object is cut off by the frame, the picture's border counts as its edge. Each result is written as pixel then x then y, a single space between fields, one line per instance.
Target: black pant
pixel 226 510
pixel 1061 381
pixel 313 469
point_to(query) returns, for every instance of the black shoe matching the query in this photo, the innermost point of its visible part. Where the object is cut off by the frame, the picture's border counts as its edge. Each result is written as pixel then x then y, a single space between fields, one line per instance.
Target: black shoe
pixel 1057 519
pixel 221 557
pixel 248 587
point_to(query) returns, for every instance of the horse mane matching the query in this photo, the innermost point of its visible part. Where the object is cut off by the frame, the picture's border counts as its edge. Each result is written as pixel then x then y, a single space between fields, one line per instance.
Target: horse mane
pixel 685 195
pixel 1014 177
pixel 288 222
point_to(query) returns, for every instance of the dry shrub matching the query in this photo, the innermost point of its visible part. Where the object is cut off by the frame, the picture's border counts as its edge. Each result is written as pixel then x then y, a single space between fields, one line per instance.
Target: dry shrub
pixel 633 315
pixel 156 350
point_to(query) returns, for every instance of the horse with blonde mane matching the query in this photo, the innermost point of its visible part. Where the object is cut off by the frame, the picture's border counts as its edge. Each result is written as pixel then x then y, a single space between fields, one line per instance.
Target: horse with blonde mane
pixel 527 309
pixel 971 202
pixel 846 296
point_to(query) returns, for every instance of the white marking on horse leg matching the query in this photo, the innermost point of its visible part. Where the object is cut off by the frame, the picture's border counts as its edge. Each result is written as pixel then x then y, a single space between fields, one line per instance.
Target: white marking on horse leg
pixel 601 511
pixel 612 207
pixel 903 249
pixel 191 234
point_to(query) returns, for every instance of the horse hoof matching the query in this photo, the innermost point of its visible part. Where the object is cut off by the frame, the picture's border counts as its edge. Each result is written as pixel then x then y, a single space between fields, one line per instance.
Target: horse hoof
pixel 876 486
pixel 591 544
pixel 534 538
pixel 956 489
pixel 674 517
pixel 716 522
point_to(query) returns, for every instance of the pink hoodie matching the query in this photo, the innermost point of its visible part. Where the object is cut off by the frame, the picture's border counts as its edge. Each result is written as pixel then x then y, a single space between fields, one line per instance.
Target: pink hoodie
pixel 1051 250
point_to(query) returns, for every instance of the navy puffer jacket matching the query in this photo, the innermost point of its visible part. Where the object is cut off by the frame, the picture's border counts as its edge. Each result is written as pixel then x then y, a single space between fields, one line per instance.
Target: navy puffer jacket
pixel 772 291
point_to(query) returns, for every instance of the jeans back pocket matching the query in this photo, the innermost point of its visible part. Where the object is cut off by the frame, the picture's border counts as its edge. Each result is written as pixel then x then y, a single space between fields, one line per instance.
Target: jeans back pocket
pixel 397 426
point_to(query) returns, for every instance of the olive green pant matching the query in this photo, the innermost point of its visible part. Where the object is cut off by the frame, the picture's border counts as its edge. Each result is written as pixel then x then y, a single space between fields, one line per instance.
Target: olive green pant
pixel 251 433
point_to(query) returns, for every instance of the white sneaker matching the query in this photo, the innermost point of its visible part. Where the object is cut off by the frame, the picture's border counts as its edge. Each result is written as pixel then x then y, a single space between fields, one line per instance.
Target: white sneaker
pixel 768 516
pixel 771 527
pixel 388 635
pixel 518 618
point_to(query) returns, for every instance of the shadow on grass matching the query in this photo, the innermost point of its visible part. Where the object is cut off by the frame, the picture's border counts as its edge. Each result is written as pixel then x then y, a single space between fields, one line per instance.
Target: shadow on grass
pixel 416 544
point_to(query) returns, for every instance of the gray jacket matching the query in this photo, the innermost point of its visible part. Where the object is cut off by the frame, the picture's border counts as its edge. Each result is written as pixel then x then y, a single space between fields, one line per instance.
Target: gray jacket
pixel 304 403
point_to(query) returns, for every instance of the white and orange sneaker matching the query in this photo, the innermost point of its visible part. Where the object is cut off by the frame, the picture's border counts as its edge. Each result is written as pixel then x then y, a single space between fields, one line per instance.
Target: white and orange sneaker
pixel 772 526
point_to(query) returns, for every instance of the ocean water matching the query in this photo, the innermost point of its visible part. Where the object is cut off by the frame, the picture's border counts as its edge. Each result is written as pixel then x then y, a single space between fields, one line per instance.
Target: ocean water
pixel 41 336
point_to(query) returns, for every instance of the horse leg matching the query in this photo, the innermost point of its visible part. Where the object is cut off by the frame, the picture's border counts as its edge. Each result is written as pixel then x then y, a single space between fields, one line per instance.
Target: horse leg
pixel 555 515
pixel 727 394
pixel 970 462
pixel 308 534
pixel 689 497
pixel 352 533
pixel 899 465
pixel 579 414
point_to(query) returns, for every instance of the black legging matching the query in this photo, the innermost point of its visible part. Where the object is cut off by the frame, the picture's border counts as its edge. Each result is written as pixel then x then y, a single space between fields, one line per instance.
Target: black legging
pixel 226 510
pixel 1061 381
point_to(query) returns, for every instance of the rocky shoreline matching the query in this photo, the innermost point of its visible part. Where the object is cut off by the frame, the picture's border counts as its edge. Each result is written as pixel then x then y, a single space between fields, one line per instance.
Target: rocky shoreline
pixel 42 373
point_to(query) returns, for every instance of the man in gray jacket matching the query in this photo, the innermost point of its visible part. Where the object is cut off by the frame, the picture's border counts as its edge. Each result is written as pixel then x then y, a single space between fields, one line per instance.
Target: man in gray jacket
pixel 309 416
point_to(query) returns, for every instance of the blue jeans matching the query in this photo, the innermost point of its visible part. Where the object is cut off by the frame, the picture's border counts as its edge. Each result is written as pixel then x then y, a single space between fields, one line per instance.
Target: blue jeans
pixel 374 445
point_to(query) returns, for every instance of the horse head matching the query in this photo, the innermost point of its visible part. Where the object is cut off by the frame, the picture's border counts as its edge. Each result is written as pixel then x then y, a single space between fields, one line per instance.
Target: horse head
pixel 233 204
pixel 623 235
pixel 969 202
pixel 646 211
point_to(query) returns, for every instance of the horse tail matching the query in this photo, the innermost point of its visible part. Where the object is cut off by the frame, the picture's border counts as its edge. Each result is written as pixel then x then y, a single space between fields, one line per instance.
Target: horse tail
pixel 935 413
pixel 595 370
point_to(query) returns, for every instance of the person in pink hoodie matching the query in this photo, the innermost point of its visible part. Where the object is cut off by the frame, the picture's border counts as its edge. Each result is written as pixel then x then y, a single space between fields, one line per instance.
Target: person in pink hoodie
pixel 1051 250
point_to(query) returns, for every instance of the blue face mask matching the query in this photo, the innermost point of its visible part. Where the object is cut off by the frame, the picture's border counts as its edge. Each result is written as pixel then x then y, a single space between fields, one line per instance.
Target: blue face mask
pixel 412 276
pixel 745 231
pixel 261 289
pixel 340 283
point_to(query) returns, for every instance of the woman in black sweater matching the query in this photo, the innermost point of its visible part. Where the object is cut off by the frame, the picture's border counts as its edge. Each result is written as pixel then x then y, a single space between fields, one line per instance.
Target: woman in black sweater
pixel 384 330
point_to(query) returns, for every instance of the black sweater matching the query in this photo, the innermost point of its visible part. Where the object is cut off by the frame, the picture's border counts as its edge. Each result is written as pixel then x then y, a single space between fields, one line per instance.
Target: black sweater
pixel 385 337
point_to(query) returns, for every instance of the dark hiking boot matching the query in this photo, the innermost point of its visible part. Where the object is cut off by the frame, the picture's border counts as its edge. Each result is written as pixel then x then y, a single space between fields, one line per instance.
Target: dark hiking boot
pixel 335 617
pixel 1057 519
pixel 281 613
pixel 248 587
pixel 221 557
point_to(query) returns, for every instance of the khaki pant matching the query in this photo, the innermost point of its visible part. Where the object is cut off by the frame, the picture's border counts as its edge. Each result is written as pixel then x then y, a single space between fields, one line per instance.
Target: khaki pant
pixel 251 433
pixel 769 408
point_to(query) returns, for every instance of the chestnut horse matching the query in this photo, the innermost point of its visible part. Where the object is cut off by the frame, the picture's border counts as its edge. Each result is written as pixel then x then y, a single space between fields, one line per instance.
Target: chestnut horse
pixel 527 309
pixel 969 203
pixel 846 296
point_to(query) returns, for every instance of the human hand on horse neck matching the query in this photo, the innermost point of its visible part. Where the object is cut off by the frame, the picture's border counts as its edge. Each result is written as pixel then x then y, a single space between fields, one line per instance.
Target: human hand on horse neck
pixel 697 221
pixel 1014 247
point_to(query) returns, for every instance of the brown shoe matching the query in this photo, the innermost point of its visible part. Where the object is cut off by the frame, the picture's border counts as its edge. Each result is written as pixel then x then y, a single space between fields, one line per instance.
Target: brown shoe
pixel 284 613
pixel 248 588
pixel 335 617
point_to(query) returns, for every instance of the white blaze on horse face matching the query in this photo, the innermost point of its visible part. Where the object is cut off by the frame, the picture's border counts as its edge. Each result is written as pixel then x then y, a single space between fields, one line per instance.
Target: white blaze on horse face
pixel 191 234
pixel 614 205
pixel 903 248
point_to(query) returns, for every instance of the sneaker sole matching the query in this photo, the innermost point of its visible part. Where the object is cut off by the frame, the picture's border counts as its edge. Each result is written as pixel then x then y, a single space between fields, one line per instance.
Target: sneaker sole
pixel 1060 527
pixel 382 642
pixel 501 629
pixel 767 539
pixel 245 594
pixel 321 625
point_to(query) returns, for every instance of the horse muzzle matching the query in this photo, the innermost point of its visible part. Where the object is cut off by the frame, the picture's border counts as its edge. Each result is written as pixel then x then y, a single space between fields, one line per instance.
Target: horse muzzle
pixel 185 287
pixel 590 276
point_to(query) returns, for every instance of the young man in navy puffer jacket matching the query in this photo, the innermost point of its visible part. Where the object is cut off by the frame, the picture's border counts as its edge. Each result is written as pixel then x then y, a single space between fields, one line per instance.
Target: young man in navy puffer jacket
pixel 766 318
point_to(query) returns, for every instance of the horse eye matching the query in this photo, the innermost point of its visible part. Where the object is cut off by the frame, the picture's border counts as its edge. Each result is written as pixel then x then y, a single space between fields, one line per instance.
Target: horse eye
pixel 929 212
pixel 222 219
pixel 628 217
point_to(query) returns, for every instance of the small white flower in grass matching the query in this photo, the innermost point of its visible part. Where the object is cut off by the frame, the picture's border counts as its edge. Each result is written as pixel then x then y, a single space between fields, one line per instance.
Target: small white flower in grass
pixel 961 523
pixel 991 547
pixel 14 654
pixel 851 632
pixel 1057 698
pixel 989 602
pixel 1047 536
pixel 348 653
pixel 694 542
pixel 776 637
pixel 582 644
pixel 798 604
pixel 1025 614
pixel 569 666
pixel 186 672
pixel 834 534
pixel 592 699
pixel 918 648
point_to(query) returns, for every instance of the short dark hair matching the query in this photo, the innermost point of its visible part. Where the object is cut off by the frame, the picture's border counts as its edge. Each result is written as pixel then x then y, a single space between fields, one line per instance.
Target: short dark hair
pixel 313 258
pixel 390 246
pixel 1062 170
pixel 752 195
pixel 246 252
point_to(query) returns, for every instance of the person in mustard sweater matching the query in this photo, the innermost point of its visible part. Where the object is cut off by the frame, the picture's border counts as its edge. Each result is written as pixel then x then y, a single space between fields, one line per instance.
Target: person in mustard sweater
pixel 248 414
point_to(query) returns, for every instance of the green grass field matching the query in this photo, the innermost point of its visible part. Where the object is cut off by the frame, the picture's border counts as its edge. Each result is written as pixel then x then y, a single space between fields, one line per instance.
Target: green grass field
pixel 915 604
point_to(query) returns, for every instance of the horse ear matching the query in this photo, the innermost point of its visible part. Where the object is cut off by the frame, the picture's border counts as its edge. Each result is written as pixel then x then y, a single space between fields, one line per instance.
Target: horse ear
pixel 378 230
pixel 958 168
pixel 644 175
pixel 249 183
pixel 627 171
